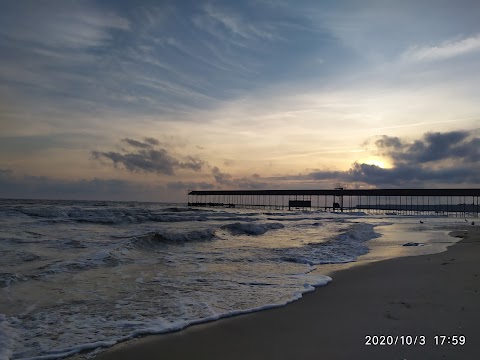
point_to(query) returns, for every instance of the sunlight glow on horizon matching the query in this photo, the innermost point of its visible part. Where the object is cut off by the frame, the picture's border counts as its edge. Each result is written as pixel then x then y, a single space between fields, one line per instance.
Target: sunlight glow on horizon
pixel 378 161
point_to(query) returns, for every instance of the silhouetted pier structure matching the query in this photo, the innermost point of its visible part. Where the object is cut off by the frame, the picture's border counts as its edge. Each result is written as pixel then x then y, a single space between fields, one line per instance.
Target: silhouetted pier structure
pixel 456 202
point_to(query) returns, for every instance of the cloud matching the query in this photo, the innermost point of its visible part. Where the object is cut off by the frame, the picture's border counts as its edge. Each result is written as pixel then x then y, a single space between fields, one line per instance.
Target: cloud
pixel 460 146
pixel 435 158
pixel 410 176
pixel 226 180
pixel 192 164
pixel 139 144
pixel 445 50
pixel 235 25
pixel 71 25
pixel 148 159
pixel 151 141
pixel 400 176
pixel 220 177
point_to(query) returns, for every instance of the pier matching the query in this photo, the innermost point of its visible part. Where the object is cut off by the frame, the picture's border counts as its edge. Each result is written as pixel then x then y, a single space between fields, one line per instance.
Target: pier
pixel 453 202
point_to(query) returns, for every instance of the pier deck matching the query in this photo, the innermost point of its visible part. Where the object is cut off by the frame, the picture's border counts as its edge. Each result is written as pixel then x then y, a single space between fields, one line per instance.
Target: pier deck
pixel 459 202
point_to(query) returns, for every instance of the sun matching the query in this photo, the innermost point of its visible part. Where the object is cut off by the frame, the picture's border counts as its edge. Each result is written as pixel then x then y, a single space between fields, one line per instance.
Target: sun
pixel 381 163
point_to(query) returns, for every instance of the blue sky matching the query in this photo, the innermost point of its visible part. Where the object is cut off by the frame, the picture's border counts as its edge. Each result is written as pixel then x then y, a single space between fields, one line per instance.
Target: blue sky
pixel 144 100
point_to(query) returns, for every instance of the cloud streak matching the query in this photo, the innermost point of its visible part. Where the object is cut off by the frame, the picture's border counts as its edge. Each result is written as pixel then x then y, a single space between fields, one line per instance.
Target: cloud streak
pixel 235 25
pixel 72 25
pixel 445 50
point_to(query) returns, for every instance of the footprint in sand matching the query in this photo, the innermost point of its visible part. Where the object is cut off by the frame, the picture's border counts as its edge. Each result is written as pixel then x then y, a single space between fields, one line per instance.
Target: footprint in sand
pixel 407 305
pixel 447 262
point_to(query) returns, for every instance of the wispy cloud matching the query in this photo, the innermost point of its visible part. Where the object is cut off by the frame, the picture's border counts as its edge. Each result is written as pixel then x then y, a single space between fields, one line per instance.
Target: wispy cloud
pixel 236 25
pixel 72 25
pixel 445 50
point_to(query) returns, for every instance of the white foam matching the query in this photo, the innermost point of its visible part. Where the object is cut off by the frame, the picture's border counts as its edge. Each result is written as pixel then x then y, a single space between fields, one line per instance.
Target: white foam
pixel 70 351
pixel 342 248
pixel 144 326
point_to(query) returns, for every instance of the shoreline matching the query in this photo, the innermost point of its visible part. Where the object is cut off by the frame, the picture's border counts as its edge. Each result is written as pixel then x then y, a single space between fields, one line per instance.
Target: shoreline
pixel 378 253
pixel 418 295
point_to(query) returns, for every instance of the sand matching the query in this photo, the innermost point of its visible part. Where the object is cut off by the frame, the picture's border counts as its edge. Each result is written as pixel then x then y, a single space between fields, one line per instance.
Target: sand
pixel 423 296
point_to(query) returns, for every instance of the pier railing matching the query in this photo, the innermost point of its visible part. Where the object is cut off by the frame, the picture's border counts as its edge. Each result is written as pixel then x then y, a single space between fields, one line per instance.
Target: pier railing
pixel 456 202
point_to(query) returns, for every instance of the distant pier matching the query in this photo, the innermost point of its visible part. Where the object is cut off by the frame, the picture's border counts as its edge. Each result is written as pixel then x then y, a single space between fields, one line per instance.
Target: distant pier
pixel 456 202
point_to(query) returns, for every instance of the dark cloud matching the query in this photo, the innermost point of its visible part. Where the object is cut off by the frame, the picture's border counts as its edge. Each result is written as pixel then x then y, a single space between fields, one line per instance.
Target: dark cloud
pixel 251 183
pixel 389 142
pixel 221 178
pixel 136 143
pixel 455 145
pixel 228 181
pixel 148 159
pixel 151 141
pixel 192 163
pixel 158 161
pixel 437 158
pixel 400 176
pixel 409 175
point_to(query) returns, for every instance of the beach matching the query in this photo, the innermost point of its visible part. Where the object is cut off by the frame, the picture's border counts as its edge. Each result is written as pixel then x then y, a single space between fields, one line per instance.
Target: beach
pixel 418 305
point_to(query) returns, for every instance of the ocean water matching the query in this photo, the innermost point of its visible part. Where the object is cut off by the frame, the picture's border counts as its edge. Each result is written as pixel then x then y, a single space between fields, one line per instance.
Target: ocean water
pixel 84 275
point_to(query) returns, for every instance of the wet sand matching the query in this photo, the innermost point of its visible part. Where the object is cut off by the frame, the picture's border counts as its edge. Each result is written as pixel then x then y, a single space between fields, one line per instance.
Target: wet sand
pixel 419 296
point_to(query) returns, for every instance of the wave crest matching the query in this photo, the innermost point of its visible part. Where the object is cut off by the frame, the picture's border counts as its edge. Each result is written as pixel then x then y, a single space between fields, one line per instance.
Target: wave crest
pixel 251 228
pixel 153 239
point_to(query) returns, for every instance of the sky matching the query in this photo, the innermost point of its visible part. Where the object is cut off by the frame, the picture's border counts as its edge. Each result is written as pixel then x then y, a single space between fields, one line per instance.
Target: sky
pixel 145 100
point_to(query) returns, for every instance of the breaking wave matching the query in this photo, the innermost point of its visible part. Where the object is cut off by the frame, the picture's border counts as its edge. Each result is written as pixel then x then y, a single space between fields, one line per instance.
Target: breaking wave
pixel 342 248
pixel 251 228
pixel 154 239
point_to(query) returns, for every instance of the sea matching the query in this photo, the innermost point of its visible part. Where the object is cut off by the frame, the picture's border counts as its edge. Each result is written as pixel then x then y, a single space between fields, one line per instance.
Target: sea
pixel 81 276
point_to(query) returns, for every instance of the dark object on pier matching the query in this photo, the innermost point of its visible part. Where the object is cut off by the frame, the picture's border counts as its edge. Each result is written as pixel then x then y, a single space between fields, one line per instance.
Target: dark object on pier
pixel 299 204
